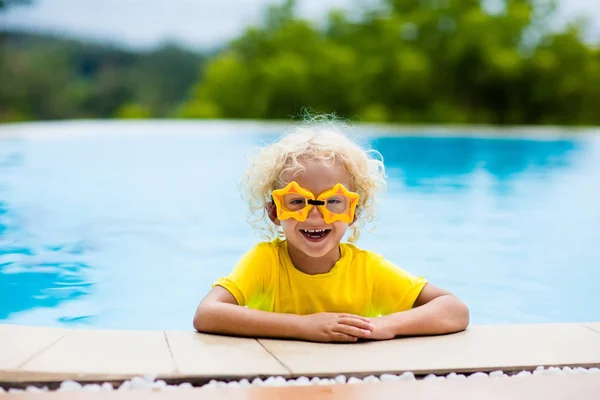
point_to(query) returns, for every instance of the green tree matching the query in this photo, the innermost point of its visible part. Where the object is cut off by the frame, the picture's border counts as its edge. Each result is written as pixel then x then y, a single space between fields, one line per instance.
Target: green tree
pixel 45 77
pixel 409 61
pixel 133 111
pixel 441 61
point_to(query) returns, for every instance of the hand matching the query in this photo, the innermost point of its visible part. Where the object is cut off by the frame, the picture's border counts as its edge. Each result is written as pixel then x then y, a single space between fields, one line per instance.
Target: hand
pixel 383 329
pixel 334 327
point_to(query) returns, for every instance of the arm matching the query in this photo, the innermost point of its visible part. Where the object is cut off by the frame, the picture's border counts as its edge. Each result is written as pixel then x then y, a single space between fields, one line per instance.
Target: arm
pixel 435 311
pixel 219 313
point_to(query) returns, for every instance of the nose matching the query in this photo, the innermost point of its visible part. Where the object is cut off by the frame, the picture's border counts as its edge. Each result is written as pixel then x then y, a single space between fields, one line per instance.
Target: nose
pixel 315 214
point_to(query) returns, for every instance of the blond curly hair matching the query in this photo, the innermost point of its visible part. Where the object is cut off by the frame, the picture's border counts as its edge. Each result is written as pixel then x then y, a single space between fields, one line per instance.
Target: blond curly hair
pixel 319 139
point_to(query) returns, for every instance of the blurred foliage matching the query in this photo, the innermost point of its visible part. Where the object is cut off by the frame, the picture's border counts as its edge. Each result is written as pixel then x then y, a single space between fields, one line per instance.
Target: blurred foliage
pixel 409 61
pixel 438 61
pixel 4 4
pixel 133 111
pixel 43 77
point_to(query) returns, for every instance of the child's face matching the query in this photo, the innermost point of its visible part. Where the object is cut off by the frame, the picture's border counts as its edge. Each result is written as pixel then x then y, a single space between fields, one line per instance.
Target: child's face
pixel 316 177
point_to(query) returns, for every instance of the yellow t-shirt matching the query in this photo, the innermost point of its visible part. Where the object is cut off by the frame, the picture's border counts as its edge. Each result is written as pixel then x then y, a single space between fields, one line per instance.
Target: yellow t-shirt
pixel 361 283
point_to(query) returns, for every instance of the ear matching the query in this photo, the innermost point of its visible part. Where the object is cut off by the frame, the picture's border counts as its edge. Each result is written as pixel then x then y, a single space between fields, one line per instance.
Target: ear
pixel 272 212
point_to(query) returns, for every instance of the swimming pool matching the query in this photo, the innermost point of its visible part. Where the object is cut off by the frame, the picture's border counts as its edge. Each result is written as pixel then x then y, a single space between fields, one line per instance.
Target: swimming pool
pixel 125 225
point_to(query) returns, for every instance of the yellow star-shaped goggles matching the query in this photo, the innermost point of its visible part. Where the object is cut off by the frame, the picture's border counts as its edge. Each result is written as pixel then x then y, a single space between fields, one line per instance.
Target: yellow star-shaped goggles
pixel 336 204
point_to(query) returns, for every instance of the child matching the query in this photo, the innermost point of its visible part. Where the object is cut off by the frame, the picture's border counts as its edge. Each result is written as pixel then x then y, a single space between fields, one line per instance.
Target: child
pixel 304 282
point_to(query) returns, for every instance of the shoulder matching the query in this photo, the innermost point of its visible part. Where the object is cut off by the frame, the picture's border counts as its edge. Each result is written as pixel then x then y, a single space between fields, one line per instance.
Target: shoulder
pixel 360 255
pixel 259 261
pixel 267 246
pixel 267 250
pixel 371 260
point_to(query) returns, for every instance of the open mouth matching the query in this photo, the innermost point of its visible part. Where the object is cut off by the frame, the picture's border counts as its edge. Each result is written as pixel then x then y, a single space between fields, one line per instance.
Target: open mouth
pixel 315 234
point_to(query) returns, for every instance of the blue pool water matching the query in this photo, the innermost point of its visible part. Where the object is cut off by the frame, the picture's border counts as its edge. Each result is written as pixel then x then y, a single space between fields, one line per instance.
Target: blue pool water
pixel 126 225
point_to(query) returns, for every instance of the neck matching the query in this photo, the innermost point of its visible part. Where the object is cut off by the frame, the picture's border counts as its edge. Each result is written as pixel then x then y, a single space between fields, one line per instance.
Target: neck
pixel 313 265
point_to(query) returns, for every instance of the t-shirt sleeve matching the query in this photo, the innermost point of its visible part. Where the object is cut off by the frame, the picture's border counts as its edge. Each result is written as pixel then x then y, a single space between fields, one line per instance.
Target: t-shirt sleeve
pixel 249 279
pixel 394 289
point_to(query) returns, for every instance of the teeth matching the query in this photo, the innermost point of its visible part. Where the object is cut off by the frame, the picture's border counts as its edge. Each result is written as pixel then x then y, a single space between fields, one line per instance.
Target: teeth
pixel 315 230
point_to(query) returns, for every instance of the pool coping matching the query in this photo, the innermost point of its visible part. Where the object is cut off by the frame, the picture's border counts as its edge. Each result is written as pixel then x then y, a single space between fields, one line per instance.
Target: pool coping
pixel 40 354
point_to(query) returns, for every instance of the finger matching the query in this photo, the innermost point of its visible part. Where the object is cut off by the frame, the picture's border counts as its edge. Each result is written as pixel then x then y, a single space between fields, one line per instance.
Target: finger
pixel 366 319
pixel 352 331
pixel 359 323
pixel 342 337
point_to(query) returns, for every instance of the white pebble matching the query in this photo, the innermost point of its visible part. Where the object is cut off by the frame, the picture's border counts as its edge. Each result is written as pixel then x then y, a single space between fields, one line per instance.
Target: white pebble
pixel 270 381
pixel 388 377
pixel 478 375
pixel 150 382
pixel 302 381
pixel 69 386
pixel 93 387
pixel 258 382
pixel 554 371
pixel 407 376
pixel 159 385
pixel 496 374
pixel 280 381
pixel 138 383
pixel 523 374
pixel 371 378
pixel 107 387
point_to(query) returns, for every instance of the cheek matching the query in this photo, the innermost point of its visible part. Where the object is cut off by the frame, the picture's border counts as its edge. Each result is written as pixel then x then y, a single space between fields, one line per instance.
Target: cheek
pixel 340 226
pixel 289 224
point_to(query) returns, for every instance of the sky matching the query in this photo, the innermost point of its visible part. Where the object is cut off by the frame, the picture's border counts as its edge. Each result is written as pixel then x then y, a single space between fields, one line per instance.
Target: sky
pixel 198 24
